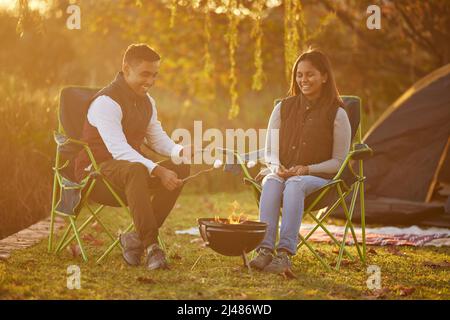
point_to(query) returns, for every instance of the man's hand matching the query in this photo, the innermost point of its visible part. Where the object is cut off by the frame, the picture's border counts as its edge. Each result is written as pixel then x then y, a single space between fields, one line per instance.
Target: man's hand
pixel 168 178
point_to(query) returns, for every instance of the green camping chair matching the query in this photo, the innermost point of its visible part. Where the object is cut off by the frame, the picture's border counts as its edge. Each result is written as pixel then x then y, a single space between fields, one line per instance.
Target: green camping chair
pixel 70 197
pixel 346 182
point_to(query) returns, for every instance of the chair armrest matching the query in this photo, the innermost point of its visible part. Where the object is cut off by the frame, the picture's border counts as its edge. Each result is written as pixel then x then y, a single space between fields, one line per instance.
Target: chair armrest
pixel 361 151
pixel 64 142
pixel 61 139
pixel 330 184
pixel 241 159
pixel 254 183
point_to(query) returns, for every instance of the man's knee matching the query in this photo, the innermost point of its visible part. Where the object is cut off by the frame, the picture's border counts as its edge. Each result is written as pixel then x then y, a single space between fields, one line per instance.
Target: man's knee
pixel 138 170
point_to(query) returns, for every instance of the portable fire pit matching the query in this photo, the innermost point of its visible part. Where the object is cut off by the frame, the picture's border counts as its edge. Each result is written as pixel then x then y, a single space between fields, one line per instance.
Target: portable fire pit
pixel 230 239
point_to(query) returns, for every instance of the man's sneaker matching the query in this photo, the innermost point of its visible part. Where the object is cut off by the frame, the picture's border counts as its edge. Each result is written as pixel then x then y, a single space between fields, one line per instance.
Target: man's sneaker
pixel 132 248
pixel 156 258
pixel 280 263
pixel 263 258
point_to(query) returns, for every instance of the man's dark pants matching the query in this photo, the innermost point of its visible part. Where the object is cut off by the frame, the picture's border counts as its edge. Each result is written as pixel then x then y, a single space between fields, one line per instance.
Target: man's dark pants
pixel 133 183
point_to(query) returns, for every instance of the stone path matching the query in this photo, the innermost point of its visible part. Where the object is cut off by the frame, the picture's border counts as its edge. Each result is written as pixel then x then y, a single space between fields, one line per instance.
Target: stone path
pixel 27 237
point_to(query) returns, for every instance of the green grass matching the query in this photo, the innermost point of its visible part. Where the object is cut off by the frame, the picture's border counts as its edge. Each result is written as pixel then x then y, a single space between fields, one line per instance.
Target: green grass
pixel 34 274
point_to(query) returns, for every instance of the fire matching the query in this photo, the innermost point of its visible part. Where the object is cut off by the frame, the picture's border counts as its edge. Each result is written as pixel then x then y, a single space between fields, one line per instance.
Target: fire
pixel 233 218
pixel 236 219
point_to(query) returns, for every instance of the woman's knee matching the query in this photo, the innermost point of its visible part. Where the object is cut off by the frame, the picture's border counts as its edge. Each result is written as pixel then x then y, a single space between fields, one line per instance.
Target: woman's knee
pixel 296 183
pixel 273 179
pixel 306 184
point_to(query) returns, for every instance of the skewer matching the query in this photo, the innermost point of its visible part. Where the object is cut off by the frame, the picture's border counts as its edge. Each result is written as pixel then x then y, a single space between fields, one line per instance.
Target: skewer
pixel 197 174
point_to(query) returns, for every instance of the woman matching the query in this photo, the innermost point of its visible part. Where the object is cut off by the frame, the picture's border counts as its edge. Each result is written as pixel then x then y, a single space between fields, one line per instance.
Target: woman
pixel 314 139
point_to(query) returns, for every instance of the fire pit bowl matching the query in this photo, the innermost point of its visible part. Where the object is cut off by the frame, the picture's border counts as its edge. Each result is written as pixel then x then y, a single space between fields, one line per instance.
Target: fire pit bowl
pixel 232 239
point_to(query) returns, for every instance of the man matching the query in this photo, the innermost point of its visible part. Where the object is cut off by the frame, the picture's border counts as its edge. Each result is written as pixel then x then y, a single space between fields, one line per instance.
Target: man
pixel 120 117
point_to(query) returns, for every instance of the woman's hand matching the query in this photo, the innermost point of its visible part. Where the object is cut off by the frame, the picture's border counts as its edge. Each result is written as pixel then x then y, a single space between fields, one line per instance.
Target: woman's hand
pixel 300 170
pixel 294 171
pixel 283 172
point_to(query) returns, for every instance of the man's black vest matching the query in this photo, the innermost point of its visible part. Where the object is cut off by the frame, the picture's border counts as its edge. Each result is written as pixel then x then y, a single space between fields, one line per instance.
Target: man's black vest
pixel 136 114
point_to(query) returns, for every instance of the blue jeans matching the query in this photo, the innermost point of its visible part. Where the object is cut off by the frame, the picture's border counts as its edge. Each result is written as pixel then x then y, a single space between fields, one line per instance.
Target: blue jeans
pixel 290 193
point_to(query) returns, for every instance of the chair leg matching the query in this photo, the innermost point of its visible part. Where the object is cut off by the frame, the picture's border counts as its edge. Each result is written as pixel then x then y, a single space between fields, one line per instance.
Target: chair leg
pixel 94 213
pixel 363 219
pixel 114 244
pixel 344 238
pixel 51 230
pixel 52 214
pixel 348 224
pixel 319 223
pixel 313 251
pixel 63 244
pixel 80 229
pixel 64 237
pixel 77 236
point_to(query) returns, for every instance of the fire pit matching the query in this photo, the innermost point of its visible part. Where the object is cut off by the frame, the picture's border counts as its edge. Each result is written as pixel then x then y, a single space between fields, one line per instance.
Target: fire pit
pixel 232 239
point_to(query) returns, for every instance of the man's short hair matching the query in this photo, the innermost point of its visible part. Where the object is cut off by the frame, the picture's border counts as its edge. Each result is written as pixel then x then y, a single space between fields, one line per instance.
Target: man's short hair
pixel 138 52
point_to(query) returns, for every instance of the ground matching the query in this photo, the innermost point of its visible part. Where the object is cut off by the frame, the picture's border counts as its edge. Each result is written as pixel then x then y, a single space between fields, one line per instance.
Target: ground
pixel 406 273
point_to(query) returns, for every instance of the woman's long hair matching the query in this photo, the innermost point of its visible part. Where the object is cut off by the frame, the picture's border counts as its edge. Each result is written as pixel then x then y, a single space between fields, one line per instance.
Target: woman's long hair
pixel 330 93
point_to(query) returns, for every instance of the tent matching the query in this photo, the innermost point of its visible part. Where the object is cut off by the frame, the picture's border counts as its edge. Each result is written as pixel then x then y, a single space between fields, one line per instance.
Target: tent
pixel 408 177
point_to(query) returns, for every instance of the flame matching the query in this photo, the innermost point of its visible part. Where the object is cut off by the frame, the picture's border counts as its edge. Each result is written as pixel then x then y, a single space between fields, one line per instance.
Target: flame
pixel 233 218
pixel 237 219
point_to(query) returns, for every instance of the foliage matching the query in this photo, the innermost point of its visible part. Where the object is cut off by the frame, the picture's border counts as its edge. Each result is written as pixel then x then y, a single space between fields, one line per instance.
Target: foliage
pixel 232 39
pixel 257 34
pixel 224 62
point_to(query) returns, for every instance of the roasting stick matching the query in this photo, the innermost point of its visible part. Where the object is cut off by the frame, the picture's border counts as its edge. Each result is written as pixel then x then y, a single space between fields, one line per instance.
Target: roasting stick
pixel 217 164
pixel 197 174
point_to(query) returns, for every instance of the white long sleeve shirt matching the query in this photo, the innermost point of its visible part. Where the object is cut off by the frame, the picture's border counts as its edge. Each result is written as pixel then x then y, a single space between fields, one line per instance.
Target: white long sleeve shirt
pixel 341 143
pixel 106 115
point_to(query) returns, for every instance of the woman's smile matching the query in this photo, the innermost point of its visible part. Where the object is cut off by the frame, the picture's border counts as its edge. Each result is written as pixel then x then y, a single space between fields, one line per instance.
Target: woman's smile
pixel 309 79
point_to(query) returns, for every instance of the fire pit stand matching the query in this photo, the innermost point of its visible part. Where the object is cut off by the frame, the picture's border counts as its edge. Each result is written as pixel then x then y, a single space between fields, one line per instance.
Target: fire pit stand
pixel 246 263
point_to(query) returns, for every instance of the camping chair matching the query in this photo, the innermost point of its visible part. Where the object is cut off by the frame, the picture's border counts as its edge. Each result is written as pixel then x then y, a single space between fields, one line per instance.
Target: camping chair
pixel 70 197
pixel 324 201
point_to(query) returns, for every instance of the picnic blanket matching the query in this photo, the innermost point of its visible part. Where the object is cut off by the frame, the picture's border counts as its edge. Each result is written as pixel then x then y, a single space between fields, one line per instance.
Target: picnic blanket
pixel 383 236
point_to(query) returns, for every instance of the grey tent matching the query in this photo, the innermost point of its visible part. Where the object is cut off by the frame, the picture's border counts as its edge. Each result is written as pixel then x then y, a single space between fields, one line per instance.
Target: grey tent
pixel 408 177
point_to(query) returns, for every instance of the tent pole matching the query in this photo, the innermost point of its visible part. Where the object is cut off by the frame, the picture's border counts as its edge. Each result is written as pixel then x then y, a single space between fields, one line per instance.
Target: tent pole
pixel 437 171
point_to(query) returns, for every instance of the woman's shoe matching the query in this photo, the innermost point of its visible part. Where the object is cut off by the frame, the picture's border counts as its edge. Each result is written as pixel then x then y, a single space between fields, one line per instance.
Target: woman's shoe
pixel 280 263
pixel 264 257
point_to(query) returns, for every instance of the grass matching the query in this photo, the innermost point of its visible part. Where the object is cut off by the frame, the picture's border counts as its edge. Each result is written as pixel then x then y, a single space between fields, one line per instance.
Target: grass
pixel 34 274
